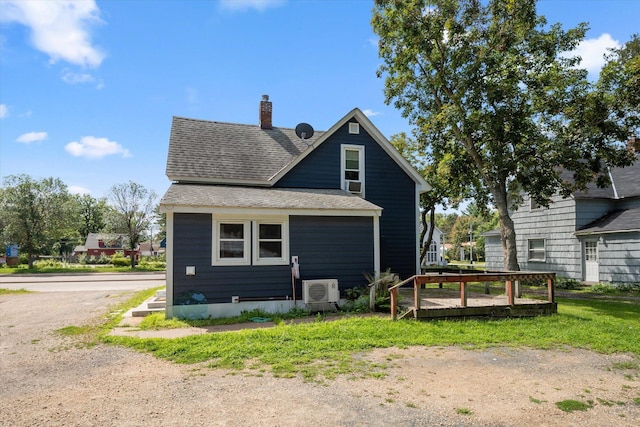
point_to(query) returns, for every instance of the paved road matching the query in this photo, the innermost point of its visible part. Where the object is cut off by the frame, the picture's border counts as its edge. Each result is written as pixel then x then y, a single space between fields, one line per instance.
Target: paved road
pixel 83 282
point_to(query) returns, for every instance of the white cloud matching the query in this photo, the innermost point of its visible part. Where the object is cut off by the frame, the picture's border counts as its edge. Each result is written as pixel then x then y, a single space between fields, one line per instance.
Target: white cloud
pixel 30 137
pixel 95 148
pixel 4 111
pixel 77 189
pixel 79 78
pixel 59 28
pixel 592 52
pixel 371 113
pixel 243 5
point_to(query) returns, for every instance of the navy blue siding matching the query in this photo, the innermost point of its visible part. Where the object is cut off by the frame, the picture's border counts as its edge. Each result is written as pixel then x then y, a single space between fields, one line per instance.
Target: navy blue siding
pixel 333 248
pixel 328 247
pixel 386 185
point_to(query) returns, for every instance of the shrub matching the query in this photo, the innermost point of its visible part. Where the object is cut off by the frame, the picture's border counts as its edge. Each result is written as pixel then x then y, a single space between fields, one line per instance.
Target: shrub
pixel 119 260
pixel 563 283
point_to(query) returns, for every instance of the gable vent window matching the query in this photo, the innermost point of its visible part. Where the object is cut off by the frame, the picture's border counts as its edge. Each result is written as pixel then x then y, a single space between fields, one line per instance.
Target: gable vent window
pixel 354 128
pixel 352 169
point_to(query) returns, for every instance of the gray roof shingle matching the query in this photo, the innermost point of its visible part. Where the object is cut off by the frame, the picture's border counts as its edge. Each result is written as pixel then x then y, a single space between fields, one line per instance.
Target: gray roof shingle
pixel 218 152
pixel 615 221
pixel 625 180
pixel 198 195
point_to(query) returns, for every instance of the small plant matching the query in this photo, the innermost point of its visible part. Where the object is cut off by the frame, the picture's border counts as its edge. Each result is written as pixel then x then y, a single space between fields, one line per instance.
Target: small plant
pixel 536 401
pixel 118 259
pixel 464 411
pixel 571 405
pixel 569 284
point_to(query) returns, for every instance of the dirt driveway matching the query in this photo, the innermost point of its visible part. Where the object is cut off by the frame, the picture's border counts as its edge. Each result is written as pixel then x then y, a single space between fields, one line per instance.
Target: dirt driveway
pixel 48 381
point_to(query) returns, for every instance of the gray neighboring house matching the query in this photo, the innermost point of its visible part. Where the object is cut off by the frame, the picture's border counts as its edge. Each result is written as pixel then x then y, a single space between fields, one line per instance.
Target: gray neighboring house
pixel 246 200
pixel 593 236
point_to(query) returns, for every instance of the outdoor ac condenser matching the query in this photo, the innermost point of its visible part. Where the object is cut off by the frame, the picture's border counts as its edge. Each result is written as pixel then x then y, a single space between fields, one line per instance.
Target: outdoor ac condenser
pixel 320 290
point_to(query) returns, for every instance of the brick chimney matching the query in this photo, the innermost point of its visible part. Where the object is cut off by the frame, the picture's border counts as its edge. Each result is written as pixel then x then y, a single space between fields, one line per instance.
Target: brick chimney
pixel 633 144
pixel 265 113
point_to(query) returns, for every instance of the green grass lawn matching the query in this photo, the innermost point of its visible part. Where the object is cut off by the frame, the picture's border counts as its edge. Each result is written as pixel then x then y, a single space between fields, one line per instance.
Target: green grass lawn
pixel 324 349
pixel 22 269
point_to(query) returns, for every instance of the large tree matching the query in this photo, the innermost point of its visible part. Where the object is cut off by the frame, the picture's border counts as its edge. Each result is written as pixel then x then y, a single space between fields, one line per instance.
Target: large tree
pixel 34 214
pixel 91 214
pixel 134 207
pixel 492 84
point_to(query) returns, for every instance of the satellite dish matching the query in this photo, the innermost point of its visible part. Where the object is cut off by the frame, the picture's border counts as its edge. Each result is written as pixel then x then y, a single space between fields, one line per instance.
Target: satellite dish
pixel 304 131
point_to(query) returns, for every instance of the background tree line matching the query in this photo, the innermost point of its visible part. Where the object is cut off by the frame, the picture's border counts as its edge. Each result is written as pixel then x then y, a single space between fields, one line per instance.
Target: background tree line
pixel 43 218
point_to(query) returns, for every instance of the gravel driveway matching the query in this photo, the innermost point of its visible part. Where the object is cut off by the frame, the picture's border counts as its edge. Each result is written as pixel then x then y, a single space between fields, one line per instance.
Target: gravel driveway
pixel 47 381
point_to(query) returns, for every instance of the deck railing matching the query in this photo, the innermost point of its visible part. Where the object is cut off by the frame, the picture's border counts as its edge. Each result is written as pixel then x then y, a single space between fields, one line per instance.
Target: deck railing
pixel 510 277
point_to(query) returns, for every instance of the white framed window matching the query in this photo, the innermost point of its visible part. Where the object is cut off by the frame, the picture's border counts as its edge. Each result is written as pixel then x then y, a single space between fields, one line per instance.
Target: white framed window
pixel 536 250
pixel 533 205
pixel 354 128
pixel 270 242
pixel 352 169
pixel 231 242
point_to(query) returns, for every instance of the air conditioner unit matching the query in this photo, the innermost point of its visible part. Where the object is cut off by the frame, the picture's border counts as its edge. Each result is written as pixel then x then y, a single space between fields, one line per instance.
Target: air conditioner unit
pixel 354 186
pixel 320 290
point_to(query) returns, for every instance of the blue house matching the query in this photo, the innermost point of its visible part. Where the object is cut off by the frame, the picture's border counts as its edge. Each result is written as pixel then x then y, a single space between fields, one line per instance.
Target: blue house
pixel 247 201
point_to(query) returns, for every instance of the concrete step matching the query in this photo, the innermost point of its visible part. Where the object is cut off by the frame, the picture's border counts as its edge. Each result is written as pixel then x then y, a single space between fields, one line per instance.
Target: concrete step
pixel 154 304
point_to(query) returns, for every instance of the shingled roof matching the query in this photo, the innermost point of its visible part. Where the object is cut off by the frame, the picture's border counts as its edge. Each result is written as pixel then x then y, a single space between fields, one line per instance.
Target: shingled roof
pixel 625 183
pixel 618 221
pixel 219 196
pixel 217 152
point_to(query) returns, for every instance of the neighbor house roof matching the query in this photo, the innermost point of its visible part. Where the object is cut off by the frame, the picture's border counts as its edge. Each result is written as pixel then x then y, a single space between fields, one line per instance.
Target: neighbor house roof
pixel 218 196
pixel 238 154
pixel 618 221
pixel 625 182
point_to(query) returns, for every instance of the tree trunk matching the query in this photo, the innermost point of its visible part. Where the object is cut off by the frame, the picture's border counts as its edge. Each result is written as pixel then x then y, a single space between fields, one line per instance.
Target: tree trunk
pixel 133 258
pixel 507 232
pixel 425 227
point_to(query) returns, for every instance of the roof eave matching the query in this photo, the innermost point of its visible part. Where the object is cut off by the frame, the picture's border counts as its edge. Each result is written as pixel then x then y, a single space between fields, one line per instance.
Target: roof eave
pixel 218 181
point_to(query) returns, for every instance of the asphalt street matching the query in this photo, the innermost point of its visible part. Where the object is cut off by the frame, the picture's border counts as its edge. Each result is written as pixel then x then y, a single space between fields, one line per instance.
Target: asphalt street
pixel 83 282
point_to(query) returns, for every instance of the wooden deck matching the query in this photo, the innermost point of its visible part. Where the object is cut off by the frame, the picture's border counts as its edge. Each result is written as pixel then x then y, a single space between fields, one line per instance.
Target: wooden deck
pixel 442 303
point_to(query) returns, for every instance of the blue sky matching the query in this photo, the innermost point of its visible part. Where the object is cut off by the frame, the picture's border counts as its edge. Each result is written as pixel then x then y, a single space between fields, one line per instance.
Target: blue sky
pixel 88 89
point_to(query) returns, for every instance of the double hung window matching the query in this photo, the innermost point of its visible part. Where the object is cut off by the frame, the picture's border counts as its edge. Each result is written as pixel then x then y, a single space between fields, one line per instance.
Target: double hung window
pixel 243 242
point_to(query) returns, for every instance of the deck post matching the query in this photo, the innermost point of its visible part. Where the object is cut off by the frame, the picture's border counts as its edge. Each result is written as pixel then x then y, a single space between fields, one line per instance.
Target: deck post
pixel 550 289
pixel 487 290
pixel 463 294
pixel 416 294
pixel 394 303
pixel 510 292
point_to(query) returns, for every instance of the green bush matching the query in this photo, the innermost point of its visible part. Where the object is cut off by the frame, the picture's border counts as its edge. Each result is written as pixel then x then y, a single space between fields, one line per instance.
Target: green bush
pixel 563 283
pixel 119 260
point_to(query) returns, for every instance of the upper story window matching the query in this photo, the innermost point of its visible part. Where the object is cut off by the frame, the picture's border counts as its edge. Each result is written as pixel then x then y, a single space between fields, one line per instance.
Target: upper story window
pixel 352 169
pixel 533 205
pixel 536 250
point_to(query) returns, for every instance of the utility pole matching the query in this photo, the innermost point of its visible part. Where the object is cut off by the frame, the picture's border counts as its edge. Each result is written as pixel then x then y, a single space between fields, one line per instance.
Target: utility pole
pixel 471 242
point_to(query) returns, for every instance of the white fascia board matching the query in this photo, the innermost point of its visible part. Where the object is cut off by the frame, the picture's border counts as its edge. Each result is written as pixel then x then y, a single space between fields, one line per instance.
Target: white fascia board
pixel 596 233
pixel 269 211
pixel 239 182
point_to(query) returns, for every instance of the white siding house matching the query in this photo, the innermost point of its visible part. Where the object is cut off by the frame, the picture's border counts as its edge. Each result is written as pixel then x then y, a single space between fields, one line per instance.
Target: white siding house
pixel 593 236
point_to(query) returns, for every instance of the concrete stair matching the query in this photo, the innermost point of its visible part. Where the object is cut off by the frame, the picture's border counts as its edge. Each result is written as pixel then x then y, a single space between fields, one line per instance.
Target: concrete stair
pixel 156 303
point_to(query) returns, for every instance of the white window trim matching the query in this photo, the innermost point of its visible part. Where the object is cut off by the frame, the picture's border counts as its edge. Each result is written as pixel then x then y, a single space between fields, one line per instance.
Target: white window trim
pixel 544 250
pixel 284 259
pixel 251 239
pixel 215 256
pixel 360 150
pixel 354 128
